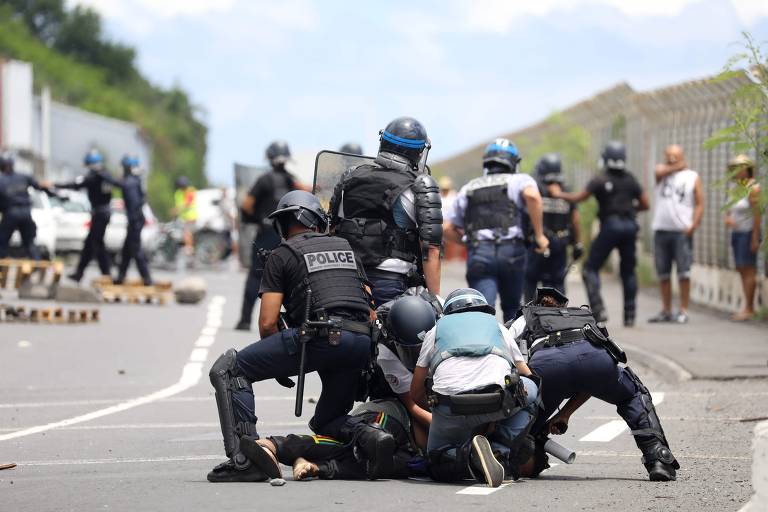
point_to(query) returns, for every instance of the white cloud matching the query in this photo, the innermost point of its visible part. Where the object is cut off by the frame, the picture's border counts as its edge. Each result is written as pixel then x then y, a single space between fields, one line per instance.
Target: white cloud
pixel 750 10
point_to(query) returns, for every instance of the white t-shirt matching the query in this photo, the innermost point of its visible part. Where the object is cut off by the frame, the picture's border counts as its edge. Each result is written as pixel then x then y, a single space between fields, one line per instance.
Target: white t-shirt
pixel 674 201
pixel 397 375
pixel 459 374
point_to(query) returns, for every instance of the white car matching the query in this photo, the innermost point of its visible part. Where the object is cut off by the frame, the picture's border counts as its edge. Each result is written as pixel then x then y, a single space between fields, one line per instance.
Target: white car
pixel 73 220
pixel 45 220
pixel 118 227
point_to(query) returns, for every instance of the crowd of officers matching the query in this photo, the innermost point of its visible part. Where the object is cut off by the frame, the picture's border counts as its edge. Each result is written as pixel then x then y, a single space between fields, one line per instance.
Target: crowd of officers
pixel 448 392
pixel 16 209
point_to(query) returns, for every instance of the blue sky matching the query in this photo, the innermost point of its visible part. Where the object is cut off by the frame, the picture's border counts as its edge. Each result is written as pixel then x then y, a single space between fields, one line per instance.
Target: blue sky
pixel 319 74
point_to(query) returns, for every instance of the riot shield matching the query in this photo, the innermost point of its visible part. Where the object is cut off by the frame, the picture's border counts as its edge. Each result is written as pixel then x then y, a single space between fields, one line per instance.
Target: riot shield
pixel 329 167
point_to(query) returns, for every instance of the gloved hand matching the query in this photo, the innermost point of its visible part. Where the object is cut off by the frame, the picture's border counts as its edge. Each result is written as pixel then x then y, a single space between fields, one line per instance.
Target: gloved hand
pixel 578 251
pixel 285 382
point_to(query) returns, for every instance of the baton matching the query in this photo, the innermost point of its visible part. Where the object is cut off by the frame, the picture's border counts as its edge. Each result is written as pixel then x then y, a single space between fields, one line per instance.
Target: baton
pixel 303 340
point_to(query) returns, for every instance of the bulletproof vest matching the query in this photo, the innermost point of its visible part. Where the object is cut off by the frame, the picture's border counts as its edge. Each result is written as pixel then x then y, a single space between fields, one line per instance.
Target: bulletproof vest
pixel 557 213
pixel 15 194
pixel 369 195
pixel 329 269
pixel 99 190
pixel 133 195
pixel 542 321
pixel 617 197
pixel 489 205
pixel 469 334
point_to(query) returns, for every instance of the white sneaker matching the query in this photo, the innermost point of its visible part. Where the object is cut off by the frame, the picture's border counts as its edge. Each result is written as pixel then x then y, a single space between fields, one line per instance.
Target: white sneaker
pixel 681 318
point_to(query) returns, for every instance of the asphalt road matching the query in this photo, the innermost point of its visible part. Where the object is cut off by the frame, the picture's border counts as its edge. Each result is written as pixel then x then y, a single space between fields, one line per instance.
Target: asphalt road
pixel 120 415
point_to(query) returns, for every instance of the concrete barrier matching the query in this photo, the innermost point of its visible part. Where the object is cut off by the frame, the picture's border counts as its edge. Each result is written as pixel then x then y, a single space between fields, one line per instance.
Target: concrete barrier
pixel 759 502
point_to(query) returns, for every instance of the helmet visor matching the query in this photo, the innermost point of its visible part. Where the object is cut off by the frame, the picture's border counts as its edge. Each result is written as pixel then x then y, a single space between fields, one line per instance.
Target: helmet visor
pixel 408 354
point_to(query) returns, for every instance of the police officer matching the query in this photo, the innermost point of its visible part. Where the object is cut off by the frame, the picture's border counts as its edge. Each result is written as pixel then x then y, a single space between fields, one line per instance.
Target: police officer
pixel 577 360
pixel 352 148
pixel 561 227
pixel 390 213
pixel 134 197
pixel 99 188
pixel 619 197
pixel 16 207
pixel 307 264
pixel 256 208
pixel 488 213
pixel 477 377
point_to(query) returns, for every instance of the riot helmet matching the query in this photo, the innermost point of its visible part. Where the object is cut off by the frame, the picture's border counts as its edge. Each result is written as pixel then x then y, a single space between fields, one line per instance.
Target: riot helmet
pixel 93 159
pixel 553 293
pixel 278 153
pixel 409 319
pixel 6 162
pixel 501 156
pixel 614 156
pixel 302 207
pixel 549 168
pixel 467 299
pixel 407 137
pixel 130 164
pixel 182 182
pixel 352 148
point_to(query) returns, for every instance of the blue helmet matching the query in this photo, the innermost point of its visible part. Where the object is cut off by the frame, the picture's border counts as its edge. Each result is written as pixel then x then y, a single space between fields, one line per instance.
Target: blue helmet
pixel 93 157
pixel 129 161
pixel 404 136
pixel 467 299
pixel 503 153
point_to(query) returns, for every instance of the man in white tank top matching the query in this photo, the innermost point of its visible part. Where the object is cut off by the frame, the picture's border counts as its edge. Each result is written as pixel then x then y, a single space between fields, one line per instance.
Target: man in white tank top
pixel 678 209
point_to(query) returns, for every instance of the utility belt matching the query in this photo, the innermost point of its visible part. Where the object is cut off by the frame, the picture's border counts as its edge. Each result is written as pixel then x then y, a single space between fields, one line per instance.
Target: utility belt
pixel 330 327
pixel 589 333
pixel 559 234
pixel 487 400
pixel 497 240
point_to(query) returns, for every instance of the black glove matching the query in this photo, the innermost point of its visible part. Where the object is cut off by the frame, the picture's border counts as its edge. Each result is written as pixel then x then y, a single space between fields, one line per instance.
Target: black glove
pixel 578 251
pixel 285 382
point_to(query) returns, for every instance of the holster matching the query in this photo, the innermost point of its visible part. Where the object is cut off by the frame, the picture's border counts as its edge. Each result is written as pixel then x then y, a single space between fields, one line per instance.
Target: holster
pixel 596 337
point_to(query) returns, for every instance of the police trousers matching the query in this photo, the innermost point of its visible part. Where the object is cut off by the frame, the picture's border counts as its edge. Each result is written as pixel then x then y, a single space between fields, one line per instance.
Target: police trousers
pixel 549 271
pixel 94 243
pixel 339 368
pixel 498 268
pixel 266 239
pixel 132 250
pixel 18 219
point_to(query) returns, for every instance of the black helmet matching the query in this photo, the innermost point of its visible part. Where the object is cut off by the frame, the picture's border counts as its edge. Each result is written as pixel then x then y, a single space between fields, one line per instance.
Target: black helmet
pixel 404 136
pixel 302 207
pixel 614 156
pixel 6 161
pixel 182 182
pixel 548 291
pixel 352 148
pixel 502 153
pixel 278 152
pixel 467 299
pixel 549 169
pixel 408 320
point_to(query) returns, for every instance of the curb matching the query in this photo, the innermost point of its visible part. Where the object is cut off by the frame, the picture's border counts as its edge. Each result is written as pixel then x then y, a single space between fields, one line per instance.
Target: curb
pixel 661 364
pixel 759 501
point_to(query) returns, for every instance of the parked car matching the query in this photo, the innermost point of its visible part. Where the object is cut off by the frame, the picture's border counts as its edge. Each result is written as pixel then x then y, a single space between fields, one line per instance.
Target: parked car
pixel 118 226
pixel 214 227
pixel 44 217
pixel 73 220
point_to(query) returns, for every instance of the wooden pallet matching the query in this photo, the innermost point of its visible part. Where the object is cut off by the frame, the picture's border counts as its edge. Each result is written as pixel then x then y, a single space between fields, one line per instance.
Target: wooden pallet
pixel 22 314
pixel 133 291
pixel 26 269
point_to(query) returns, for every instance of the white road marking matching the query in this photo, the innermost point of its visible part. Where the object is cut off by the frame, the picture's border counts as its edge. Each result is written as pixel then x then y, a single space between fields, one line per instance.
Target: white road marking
pixel 199 355
pixel 163 426
pixel 24 344
pixel 70 403
pixel 79 462
pixel 609 431
pixel 205 341
pixel 208 331
pixel 481 489
pixel 190 376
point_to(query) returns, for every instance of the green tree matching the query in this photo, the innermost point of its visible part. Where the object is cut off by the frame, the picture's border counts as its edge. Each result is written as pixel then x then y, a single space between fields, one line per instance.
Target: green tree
pixel 42 17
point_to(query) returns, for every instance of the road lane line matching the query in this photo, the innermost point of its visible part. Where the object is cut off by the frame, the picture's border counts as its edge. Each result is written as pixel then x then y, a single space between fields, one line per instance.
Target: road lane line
pixel 190 376
pixel 481 489
pixel 209 331
pixel 607 432
pixel 163 426
pixel 199 355
pixel 205 341
pixel 70 403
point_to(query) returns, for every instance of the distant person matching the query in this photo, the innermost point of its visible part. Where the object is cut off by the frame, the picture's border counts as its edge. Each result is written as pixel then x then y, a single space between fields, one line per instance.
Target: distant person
pixel 352 148
pixel 16 207
pixel 134 197
pixel 227 210
pixel 98 185
pixel 619 198
pixel 744 219
pixel 185 210
pixel 678 209
pixel 260 202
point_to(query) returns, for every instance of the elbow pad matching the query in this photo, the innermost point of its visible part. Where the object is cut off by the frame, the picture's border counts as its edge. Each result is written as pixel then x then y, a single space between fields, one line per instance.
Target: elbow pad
pixel 429 209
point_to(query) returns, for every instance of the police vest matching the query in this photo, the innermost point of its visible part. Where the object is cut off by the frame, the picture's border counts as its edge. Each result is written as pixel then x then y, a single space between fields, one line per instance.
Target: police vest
pixel 557 214
pixel 329 269
pixel 618 195
pixel 16 193
pixel 542 321
pixel 469 334
pixel 489 205
pixel 369 195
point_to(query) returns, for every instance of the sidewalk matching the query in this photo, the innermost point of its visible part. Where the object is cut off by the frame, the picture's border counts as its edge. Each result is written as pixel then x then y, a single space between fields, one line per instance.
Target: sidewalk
pixel 708 347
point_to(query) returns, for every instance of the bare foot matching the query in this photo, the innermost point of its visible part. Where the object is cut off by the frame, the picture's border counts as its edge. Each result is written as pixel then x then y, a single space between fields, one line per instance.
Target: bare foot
pixel 742 316
pixel 303 469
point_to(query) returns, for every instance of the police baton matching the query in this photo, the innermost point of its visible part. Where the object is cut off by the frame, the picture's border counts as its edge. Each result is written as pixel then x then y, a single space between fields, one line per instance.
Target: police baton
pixel 304 336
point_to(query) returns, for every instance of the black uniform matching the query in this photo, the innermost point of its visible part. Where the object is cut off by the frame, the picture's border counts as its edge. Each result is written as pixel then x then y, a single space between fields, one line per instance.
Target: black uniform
pixel 133 196
pixel 568 363
pixel 617 194
pixel 266 192
pixel 327 266
pixel 98 185
pixel 16 207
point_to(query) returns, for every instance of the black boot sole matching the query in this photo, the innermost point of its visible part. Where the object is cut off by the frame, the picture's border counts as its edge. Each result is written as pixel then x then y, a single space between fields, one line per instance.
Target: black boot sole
pixel 252 474
pixel 260 458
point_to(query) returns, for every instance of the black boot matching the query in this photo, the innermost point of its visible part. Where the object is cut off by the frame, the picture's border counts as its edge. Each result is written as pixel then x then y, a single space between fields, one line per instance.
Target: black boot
pixel 243 326
pixel 377 447
pixel 74 276
pixel 260 456
pixel 629 318
pixel 485 468
pixel 659 462
pixel 229 471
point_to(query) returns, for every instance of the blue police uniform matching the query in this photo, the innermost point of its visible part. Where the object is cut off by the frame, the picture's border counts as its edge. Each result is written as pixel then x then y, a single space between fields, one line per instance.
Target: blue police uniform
pixel 133 196
pixel 16 207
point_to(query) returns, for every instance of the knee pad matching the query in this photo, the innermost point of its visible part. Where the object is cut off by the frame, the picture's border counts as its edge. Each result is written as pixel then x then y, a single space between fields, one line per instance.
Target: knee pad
pixel 226 378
